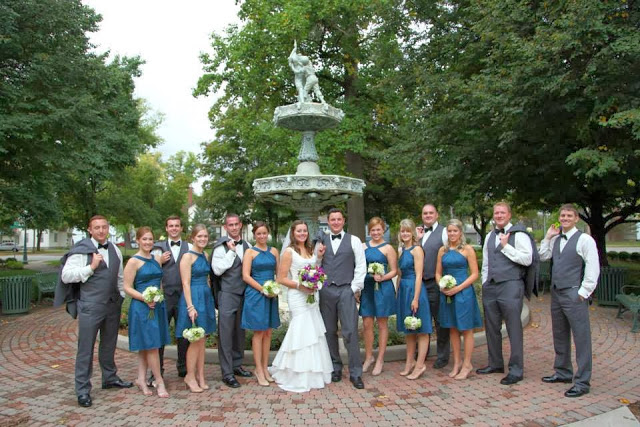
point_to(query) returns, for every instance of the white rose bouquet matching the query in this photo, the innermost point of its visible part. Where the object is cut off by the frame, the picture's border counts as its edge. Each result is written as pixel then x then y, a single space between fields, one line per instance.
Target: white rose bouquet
pixel 447 282
pixel 271 288
pixel 412 323
pixel 376 268
pixel 193 334
pixel 152 294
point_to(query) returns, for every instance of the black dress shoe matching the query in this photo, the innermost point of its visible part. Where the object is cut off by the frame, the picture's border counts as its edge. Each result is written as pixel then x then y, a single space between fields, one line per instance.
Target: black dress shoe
pixel 576 392
pixel 489 370
pixel 241 372
pixel 556 379
pixel 510 379
pixel 357 382
pixel 439 364
pixel 231 381
pixel 84 400
pixel 117 384
pixel 336 377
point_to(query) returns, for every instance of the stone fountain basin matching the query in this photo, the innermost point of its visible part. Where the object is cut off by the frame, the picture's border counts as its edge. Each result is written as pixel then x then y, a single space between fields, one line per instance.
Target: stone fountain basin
pixel 308 116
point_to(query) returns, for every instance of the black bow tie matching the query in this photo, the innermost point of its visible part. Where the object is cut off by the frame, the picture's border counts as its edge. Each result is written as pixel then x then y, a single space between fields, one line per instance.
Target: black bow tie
pixel 238 242
pixel 563 236
pixel 427 229
pixel 499 230
pixel 175 243
pixel 336 236
pixel 101 246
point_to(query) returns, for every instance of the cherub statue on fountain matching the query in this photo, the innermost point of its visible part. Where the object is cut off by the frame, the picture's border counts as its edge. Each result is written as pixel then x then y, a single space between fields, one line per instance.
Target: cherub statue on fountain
pixel 306 80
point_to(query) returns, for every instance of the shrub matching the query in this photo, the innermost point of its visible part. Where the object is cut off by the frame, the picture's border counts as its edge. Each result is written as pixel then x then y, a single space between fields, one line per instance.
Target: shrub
pixel 613 255
pixel 635 256
pixel 624 256
pixel 12 264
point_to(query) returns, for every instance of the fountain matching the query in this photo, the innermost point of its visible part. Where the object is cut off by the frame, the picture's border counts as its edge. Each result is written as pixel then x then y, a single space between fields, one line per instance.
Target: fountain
pixel 308 191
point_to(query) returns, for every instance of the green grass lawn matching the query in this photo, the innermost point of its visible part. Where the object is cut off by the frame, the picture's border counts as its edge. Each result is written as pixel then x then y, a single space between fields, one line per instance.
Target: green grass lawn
pixel 634 243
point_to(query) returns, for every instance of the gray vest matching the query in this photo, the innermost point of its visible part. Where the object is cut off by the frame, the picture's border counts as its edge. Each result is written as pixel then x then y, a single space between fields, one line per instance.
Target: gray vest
pixel 501 268
pixel 102 286
pixel 171 281
pixel 431 248
pixel 340 266
pixel 567 266
pixel 231 280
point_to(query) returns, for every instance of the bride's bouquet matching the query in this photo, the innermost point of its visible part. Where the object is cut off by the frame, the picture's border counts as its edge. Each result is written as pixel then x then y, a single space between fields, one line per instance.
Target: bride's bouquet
pixel 193 334
pixel 412 323
pixel 376 268
pixel 271 288
pixel 152 294
pixel 312 277
pixel 447 282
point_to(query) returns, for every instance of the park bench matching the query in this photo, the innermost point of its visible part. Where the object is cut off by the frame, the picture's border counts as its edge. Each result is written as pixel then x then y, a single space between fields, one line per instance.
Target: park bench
pixel 46 283
pixel 630 302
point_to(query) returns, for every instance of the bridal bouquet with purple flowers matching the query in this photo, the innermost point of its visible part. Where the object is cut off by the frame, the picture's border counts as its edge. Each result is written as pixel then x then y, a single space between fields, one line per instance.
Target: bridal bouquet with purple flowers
pixel 312 277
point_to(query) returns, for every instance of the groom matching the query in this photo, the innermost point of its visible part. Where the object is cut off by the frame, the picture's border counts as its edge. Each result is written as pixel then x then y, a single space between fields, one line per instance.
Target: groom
pixel 345 265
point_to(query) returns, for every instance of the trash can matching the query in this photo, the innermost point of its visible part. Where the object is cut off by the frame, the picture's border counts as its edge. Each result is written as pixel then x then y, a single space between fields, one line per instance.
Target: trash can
pixel 16 294
pixel 610 283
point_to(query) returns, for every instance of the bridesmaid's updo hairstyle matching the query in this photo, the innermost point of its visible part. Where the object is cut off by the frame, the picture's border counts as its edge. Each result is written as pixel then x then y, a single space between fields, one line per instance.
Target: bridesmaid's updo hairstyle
pixel 196 229
pixel 259 224
pixel 307 243
pixel 463 240
pixel 376 220
pixel 407 224
pixel 142 231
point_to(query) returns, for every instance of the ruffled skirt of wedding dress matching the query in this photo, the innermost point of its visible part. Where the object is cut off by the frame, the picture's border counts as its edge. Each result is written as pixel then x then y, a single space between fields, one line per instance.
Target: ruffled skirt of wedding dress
pixel 303 361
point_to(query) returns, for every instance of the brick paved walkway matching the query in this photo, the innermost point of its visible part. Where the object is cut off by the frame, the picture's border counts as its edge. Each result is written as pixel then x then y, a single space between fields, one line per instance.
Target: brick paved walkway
pixel 36 386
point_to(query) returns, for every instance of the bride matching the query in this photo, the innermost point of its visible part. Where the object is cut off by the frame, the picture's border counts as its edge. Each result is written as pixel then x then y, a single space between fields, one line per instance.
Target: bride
pixel 303 361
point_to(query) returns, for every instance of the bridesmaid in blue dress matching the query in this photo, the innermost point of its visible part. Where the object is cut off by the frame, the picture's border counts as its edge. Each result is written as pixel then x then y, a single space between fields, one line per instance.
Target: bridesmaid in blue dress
pixel 196 306
pixel 462 314
pixel 378 298
pixel 146 335
pixel 412 299
pixel 260 312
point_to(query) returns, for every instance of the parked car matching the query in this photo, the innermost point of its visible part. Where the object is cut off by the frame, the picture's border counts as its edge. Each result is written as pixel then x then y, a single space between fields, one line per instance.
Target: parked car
pixel 9 246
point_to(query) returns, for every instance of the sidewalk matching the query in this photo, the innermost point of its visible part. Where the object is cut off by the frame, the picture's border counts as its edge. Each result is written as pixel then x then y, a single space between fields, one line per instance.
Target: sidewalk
pixel 37 355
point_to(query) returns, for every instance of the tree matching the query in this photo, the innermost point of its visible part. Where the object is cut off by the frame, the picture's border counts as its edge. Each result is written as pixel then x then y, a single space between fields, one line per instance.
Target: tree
pixel 536 102
pixel 355 46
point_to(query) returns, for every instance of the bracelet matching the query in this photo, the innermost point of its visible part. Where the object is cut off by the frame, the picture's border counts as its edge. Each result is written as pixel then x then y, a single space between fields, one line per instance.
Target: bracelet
pixel 190 307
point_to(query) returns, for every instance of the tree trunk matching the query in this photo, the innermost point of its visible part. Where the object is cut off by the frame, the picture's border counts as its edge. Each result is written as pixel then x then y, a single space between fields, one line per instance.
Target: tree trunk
pixel 598 232
pixel 39 232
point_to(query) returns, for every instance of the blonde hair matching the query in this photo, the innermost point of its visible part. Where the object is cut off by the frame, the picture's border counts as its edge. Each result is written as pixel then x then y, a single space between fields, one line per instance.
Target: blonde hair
pixel 196 229
pixel 407 224
pixel 463 240
pixel 503 204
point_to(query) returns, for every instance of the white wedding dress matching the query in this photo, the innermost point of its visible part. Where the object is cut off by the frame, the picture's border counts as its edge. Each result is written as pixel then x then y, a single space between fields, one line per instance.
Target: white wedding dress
pixel 303 361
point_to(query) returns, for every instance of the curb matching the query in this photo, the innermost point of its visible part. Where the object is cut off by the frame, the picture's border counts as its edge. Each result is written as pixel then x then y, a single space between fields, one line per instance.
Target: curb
pixel 394 353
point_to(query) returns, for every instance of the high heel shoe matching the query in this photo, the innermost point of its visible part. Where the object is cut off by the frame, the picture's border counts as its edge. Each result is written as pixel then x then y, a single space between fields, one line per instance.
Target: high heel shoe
pixel 143 388
pixel 192 388
pixel 269 378
pixel 377 370
pixel 455 371
pixel 464 373
pixel 204 386
pixel 407 370
pixel 162 391
pixel 367 364
pixel 417 374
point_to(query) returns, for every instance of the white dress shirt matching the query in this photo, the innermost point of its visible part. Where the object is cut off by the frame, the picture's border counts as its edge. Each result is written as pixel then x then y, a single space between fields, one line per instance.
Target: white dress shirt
pixel 587 250
pixel 445 237
pixel 360 270
pixel 77 269
pixel 222 260
pixel 521 254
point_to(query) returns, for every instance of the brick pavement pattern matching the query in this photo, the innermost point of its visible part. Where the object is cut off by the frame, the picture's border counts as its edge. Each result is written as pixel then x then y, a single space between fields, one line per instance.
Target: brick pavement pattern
pixel 37 364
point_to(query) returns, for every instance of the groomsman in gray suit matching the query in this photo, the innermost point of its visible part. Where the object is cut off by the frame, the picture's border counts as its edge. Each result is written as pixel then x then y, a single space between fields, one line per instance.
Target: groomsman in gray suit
pixel 575 268
pixel 227 265
pixel 432 237
pixel 505 257
pixel 345 264
pixel 95 266
pixel 171 251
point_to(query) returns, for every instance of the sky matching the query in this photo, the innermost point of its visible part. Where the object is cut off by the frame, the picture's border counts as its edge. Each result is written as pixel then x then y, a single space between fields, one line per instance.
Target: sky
pixel 168 36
